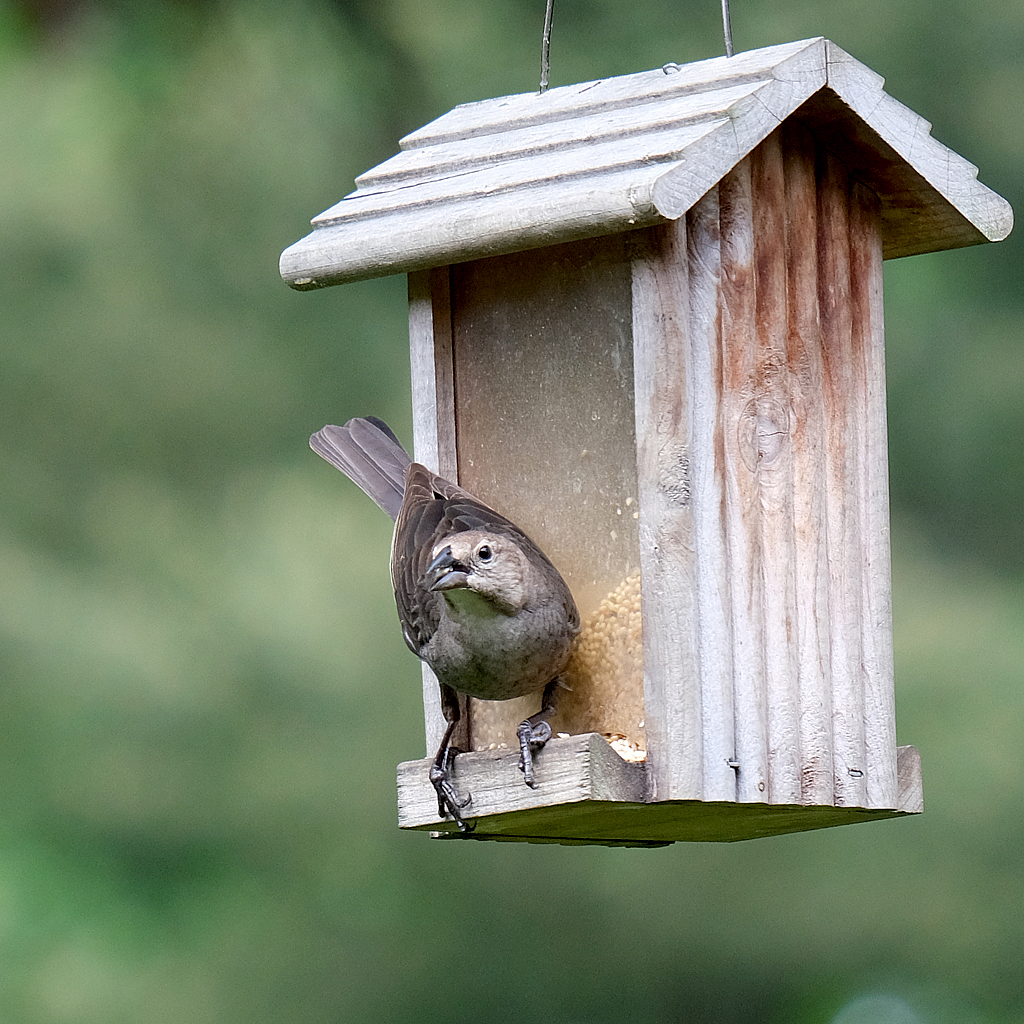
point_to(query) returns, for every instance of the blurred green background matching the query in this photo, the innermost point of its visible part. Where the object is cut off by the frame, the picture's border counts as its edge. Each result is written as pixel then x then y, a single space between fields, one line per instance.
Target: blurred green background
pixel 204 689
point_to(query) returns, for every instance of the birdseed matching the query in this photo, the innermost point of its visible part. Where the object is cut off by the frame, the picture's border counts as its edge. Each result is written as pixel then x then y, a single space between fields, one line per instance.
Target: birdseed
pixel 605 672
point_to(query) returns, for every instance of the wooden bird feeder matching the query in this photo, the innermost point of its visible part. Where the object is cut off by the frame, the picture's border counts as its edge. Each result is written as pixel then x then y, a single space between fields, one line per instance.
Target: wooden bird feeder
pixel 646 324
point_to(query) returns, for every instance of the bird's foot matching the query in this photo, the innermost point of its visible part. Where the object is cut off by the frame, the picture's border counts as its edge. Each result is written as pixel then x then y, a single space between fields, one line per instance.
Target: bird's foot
pixel 532 736
pixel 448 801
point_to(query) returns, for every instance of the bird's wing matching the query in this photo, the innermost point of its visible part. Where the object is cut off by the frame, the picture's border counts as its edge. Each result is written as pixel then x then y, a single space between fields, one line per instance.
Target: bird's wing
pixel 369 454
pixel 420 523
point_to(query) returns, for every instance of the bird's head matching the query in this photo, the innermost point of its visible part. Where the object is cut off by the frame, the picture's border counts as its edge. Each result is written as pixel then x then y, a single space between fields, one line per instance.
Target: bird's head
pixel 477 564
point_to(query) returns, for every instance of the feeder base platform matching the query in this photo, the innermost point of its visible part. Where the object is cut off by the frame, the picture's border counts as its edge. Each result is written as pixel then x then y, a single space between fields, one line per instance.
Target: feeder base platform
pixel 587 794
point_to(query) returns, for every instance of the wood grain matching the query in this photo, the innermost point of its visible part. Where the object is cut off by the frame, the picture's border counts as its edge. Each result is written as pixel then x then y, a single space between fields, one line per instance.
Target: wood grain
pixel 714 618
pixel 806 387
pixel 844 427
pixel 873 493
pixel 672 669
pixel 767 427
pixel 740 500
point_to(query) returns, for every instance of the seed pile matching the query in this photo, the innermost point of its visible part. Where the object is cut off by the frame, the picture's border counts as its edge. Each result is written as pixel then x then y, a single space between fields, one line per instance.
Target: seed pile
pixel 605 671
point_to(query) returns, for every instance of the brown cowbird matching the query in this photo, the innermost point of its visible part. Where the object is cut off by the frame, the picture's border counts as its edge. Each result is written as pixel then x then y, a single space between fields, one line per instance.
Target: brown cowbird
pixel 478 601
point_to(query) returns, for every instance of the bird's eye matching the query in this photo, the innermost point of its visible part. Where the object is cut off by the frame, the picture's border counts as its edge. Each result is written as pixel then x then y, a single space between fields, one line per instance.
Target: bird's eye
pixel 484 553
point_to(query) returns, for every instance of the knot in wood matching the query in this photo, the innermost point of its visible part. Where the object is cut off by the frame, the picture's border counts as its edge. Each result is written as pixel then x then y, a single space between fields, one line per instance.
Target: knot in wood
pixel 763 431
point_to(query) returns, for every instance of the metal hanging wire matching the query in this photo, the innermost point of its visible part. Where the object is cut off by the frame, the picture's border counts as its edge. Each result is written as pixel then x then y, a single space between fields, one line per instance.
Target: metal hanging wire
pixel 545 47
pixel 545 44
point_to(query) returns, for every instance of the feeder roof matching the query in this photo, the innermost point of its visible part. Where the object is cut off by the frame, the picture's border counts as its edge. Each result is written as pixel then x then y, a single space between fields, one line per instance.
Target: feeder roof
pixel 518 172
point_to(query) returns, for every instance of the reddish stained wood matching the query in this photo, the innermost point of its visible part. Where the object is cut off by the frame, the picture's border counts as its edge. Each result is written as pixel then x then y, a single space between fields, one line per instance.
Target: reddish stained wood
pixel 801 473
pixel 767 424
pixel 804 359
pixel 741 495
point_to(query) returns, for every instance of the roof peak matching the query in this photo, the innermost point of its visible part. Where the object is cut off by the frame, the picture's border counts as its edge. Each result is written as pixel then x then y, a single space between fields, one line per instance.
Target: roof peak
pixel 576 161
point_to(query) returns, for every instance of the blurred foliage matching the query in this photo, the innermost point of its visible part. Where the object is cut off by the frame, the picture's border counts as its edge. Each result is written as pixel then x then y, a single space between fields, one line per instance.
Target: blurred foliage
pixel 205 692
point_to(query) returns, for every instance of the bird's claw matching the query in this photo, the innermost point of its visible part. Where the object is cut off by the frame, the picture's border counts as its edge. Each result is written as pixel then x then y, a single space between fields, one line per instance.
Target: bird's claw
pixel 532 736
pixel 448 801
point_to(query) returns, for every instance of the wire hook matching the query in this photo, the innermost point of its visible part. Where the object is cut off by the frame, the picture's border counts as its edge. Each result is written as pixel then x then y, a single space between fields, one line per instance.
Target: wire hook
pixel 545 47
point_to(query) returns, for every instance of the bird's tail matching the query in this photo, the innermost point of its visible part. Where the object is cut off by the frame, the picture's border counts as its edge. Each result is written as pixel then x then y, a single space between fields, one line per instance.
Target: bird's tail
pixel 369 454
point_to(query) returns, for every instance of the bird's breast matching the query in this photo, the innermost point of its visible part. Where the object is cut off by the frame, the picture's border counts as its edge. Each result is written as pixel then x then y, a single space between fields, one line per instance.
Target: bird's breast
pixel 495 656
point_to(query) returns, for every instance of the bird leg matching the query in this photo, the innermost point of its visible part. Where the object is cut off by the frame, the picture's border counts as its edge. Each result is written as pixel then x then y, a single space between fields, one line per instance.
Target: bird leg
pixel 535 731
pixel 448 801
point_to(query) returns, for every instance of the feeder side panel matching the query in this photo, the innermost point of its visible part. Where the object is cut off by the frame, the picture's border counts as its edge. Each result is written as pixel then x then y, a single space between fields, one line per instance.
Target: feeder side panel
pixel 766 444
pixel 663 379
pixel 433 403
pixel 804 358
pixel 844 430
pixel 740 497
pixel 714 634
pixel 876 579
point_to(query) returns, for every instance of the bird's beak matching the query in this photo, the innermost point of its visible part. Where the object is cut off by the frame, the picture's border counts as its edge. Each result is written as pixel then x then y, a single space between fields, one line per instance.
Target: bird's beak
pixel 445 572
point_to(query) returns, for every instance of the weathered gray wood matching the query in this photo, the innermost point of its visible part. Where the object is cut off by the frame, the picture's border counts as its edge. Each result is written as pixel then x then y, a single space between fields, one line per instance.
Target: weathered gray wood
pixel 672 670
pixel 496 219
pixel 433 372
pixel 588 795
pixel 603 131
pixel 433 403
pixel 908 219
pixel 752 118
pixel 490 117
pixel 714 619
pixel 910 792
pixel 872 488
pixel 568 770
pixel 758 580
pixel 525 171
